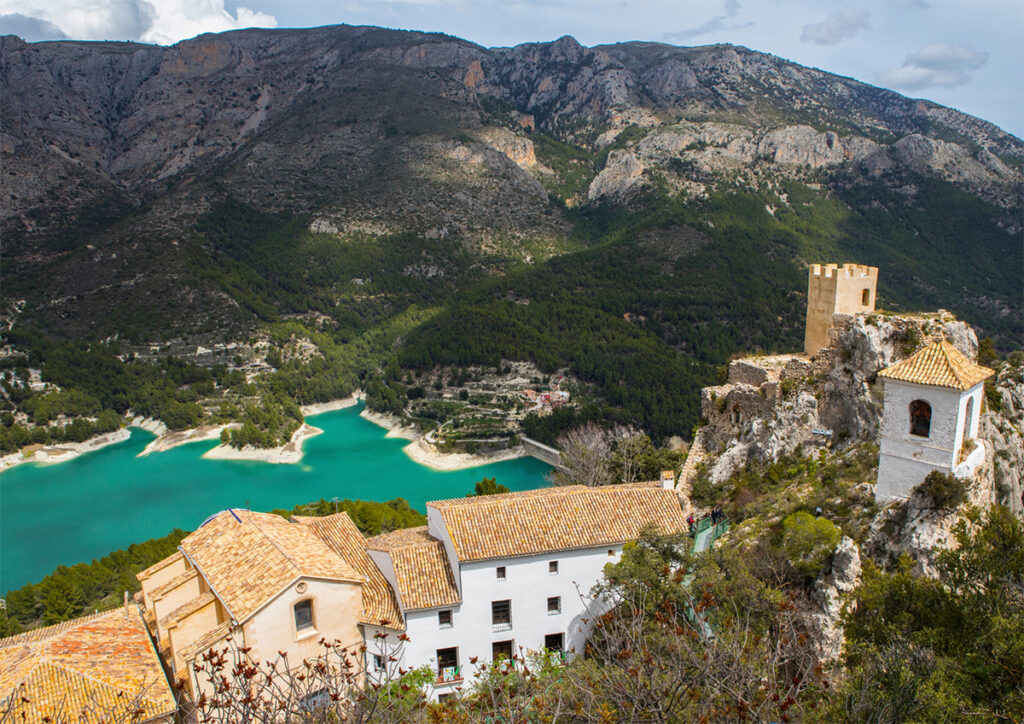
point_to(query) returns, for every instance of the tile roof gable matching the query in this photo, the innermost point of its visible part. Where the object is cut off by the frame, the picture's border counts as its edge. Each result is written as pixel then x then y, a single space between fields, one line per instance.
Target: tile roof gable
pixel 940 364
pixel 380 608
pixel 230 546
pixel 422 570
pixel 105 659
pixel 557 518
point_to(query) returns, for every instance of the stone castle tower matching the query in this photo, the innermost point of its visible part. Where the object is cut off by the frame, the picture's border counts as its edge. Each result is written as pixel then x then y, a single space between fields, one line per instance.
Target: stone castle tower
pixel 831 289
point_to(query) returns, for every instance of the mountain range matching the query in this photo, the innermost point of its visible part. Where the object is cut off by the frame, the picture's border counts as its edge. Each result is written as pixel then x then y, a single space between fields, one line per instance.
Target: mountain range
pixel 619 210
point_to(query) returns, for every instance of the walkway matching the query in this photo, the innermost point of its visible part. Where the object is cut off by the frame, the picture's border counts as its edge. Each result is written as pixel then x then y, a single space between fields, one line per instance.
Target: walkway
pixel 705 535
pixel 693 460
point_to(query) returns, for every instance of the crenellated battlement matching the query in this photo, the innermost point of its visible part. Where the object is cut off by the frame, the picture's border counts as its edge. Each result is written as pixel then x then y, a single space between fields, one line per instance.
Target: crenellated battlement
pixel 846 271
pixel 832 289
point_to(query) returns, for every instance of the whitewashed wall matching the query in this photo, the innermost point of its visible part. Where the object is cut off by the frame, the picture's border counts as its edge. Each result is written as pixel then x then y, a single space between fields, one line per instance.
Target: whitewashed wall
pixel 528 584
pixel 905 459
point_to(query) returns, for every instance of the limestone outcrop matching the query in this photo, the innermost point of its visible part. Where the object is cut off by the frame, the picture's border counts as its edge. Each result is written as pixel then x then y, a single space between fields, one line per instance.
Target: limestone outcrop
pixel 773 406
pixel 830 593
pixel 1002 427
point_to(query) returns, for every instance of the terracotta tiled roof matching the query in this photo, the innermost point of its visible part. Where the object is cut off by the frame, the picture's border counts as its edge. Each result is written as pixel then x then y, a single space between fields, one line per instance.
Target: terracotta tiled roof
pixel 205 642
pixel 248 558
pixel 421 566
pixel 341 536
pixel 186 609
pixel 175 582
pixel 174 557
pixel 554 519
pixel 939 364
pixel 92 669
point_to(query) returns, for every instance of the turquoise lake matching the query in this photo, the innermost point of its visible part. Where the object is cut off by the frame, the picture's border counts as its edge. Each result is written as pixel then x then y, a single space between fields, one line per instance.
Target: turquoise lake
pixel 96 503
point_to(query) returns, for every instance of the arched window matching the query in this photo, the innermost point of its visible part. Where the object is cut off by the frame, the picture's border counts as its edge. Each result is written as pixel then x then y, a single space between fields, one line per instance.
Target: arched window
pixel 865 297
pixel 303 615
pixel 920 418
pixel 968 415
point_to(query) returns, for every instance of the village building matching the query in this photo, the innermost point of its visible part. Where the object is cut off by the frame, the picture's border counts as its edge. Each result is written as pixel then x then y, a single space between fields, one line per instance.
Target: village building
pixel 932 405
pixel 93 669
pixel 831 290
pixel 271 584
pixel 487 577
pixel 493 576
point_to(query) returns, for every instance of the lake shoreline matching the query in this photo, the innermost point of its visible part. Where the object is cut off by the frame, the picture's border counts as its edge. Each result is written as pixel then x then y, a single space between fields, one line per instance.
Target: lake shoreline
pixel 419 450
pixel 287 454
pixel 422 452
pixel 290 452
pixel 54 454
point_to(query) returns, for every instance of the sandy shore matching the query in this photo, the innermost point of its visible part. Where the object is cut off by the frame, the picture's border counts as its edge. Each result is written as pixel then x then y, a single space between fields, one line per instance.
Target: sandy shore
pixel 290 452
pixel 166 440
pixel 172 439
pixel 392 423
pixel 320 407
pixel 424 453
pixel 65 451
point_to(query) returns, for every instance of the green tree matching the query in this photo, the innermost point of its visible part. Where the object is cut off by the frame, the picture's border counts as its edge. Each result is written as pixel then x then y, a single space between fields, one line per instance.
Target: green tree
pixel 488 486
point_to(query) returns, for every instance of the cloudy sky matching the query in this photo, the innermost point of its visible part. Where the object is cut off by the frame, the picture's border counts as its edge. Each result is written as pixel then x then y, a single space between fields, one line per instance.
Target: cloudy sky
pixel 968 54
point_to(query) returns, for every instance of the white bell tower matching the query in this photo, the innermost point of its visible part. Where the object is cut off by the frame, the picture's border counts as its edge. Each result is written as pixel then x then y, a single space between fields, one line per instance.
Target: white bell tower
pixel 930 419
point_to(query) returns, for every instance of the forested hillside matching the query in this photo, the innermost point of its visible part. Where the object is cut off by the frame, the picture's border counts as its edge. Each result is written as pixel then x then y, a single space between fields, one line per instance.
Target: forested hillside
pixel 345 208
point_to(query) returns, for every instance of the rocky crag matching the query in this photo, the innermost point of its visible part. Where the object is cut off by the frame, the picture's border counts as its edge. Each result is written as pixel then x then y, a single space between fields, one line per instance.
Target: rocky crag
pixel 785 406
pixel 114 152
pixel 776 405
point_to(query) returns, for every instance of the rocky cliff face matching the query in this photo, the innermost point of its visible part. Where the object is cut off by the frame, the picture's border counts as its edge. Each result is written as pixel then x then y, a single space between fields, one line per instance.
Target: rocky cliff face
pixel 787 404
pixel 1002 425
pixel 773 406
pixel 113 151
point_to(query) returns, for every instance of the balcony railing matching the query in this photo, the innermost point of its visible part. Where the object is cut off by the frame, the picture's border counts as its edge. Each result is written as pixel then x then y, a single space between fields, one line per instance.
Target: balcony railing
pixel 449 674
pixel 501 627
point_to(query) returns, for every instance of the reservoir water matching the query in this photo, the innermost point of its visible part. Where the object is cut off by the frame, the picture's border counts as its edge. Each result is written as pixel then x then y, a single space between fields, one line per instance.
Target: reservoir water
pixel 104 500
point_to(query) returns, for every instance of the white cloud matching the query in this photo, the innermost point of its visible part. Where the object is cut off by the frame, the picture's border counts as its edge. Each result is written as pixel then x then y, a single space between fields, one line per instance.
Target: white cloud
pixel 149 21
pixel 28 28
pixel 935 65
pixel 718 22
pixel 837 27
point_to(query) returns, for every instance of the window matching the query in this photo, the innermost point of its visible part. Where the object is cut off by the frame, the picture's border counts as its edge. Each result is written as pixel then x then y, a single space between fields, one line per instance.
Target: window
pixel 378 662
pixel 315 702
pixel 554 642
pixel 500 571
pixel 501 615
pixel 920 418
pixel 303 615
pixel 865 297
pixel 444 619
pixel 554 605
pixel 553 567
pixel 445 697
pixel 501 650
pixel 448 664
pixel 611 552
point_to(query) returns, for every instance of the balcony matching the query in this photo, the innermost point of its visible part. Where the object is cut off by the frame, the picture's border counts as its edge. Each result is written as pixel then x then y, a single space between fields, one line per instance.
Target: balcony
pixel 449 675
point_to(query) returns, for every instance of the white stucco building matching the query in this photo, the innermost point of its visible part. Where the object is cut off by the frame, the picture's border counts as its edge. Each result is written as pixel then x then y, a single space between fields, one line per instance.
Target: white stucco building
pixel 503 574
pixel 930 418
pixel 487 577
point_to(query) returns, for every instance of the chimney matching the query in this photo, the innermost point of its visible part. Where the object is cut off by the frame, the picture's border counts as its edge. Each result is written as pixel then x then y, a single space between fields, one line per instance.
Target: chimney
pixel 126 605
pixel 668 479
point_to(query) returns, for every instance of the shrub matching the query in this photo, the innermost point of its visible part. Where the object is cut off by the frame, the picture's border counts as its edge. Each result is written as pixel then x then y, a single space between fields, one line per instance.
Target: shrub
pixel 808 541
pixel 944 490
